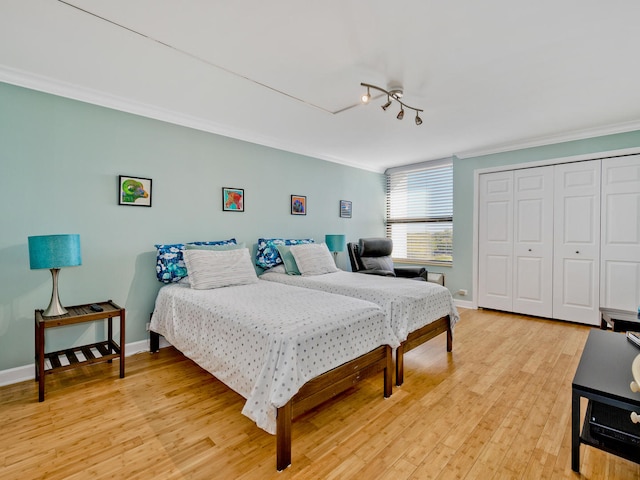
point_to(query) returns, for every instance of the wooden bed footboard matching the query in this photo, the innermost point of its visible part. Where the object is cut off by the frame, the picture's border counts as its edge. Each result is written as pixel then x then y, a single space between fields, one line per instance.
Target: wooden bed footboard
pixel 326 386
pixel 320 389
pixel 418 337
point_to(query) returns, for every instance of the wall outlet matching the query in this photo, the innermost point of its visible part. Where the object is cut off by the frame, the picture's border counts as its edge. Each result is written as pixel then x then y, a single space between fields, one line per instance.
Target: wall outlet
pixel 462 292
pixel 148 326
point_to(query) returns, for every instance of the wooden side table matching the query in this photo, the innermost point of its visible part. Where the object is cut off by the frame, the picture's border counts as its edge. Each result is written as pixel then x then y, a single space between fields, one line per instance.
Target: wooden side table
pixel 104 351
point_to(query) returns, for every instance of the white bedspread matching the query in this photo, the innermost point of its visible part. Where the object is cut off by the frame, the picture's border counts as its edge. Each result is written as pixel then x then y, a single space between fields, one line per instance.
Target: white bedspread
pixel 266 340
pixel 408 304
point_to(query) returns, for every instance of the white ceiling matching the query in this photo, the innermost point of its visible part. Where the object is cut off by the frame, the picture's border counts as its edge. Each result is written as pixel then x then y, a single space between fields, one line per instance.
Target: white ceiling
pixel 491 75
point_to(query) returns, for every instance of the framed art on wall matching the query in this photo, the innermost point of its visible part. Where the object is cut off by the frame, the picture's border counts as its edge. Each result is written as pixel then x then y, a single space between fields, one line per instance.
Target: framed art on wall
pixel 134 191
pixel 298 205
pixel 232 199
pixel 345 209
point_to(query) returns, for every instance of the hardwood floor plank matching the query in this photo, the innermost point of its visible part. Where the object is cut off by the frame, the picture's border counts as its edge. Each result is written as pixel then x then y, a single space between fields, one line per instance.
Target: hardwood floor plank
pixel 498 406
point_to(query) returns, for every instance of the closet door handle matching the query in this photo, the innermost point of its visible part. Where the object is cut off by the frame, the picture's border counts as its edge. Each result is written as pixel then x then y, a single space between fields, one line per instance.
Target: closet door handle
pixel 577 251
pixel 529 249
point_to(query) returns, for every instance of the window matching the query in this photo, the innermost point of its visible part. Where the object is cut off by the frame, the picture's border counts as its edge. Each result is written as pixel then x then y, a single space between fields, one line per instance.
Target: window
pixel 420 212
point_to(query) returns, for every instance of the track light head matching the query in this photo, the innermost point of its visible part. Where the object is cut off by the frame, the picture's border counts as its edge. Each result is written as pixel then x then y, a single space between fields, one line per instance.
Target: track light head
pixel 366 97
pixel 418 119
pixel 386 105
pixel 400 114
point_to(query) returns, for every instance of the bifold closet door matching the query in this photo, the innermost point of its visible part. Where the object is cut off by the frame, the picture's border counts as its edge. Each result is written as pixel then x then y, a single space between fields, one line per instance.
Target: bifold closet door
pixel 533 241
pixel 576 250
pixel 495 241
pixel 620 253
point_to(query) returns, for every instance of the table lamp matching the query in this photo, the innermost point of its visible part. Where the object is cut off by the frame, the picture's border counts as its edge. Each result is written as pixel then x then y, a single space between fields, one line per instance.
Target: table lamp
pixel 335 244
pixel 54 252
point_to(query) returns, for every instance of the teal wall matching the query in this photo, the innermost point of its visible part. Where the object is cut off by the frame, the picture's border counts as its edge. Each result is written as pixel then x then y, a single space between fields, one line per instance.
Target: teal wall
pixel 460 275
pixel 59 164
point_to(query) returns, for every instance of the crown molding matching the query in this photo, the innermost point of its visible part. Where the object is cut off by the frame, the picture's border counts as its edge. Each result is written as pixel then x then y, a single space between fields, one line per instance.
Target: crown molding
pixel 553 139
pixel 72 91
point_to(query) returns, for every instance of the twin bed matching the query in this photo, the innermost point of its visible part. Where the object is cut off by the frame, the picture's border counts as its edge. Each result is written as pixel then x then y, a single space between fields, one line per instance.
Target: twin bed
pixel 416 311
pixel 288 344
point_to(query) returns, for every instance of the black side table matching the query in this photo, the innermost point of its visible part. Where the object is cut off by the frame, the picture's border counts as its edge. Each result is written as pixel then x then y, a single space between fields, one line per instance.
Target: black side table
pixel 604 375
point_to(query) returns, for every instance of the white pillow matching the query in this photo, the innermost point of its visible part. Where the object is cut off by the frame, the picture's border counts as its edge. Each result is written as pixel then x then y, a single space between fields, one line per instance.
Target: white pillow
pixel 313 259
pixel 214 269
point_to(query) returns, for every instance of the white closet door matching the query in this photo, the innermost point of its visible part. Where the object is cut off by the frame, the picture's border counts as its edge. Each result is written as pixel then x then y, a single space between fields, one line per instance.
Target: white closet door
pixel 533 241
pixel 620 254
pixel 495 242
pixel 576 264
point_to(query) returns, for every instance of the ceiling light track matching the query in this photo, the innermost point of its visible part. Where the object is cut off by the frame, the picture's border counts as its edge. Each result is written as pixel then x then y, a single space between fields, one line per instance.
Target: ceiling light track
pixel 393 94
pixel 205 61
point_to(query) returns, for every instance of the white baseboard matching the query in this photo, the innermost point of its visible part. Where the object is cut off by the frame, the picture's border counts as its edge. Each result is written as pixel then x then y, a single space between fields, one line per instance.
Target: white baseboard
pixel 464 304
pixel 27 372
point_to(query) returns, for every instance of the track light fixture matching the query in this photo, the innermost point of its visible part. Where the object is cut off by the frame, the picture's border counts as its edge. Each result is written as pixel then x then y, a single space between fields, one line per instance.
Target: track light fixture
pixel 392 94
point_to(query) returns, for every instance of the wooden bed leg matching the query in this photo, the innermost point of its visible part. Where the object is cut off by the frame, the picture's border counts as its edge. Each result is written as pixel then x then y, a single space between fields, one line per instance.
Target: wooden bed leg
pixel 449 335
pixel 283 437
pixel 400 365
pixel 388 374
pixel 154 342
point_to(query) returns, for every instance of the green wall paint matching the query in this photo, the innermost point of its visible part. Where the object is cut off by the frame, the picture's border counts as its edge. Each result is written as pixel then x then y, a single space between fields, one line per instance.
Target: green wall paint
pixel 460 275
pixel 60 160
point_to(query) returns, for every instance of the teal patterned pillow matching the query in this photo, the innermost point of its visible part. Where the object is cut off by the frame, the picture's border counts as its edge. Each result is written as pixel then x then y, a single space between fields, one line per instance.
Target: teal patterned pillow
pixel 170 265
pixel 267 255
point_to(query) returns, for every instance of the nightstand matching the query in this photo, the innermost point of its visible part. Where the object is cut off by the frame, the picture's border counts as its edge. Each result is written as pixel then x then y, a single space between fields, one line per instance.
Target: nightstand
pixel 74 357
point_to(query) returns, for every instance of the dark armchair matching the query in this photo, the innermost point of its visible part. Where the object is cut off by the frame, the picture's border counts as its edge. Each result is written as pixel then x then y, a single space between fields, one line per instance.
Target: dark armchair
pixel 373 256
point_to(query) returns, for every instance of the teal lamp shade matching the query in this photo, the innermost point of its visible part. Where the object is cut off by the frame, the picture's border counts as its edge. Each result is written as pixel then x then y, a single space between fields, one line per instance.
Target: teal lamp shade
pixel 335 244
pixel 54 252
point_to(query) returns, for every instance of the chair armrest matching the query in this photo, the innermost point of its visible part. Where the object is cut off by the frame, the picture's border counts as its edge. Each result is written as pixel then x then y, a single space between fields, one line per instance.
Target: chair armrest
pixel 381 273
pixel 411 272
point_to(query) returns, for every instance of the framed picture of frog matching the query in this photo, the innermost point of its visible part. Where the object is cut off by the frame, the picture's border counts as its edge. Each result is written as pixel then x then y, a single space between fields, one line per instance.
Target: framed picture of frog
pixel 134 191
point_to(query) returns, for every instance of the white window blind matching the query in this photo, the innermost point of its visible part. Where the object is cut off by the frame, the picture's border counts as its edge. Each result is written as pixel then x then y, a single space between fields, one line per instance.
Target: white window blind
pixel 420 212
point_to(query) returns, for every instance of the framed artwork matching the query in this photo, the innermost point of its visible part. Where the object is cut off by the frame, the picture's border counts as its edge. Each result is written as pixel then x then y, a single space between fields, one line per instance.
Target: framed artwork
pixel 134 191
pixel 232 199
pixel 298 205
pixel 345 209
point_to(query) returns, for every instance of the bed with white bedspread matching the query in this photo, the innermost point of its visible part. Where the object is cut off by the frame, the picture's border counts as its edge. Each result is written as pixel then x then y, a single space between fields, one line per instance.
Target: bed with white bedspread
pixel 268 342
pixel 415 310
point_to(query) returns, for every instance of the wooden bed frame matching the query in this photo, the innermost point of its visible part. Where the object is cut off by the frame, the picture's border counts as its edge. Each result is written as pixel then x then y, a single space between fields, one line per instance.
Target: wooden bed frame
pixel 319 390
pixel 418 337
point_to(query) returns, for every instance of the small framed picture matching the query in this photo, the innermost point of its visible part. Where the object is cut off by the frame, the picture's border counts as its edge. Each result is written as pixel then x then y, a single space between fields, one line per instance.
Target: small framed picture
pixel 232 199
pixel 134 191
pixel 298 205
pixel 345 209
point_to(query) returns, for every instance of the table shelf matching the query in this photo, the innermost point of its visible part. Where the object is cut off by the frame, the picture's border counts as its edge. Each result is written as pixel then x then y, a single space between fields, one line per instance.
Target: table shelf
pixel 101 354
pixel 622 449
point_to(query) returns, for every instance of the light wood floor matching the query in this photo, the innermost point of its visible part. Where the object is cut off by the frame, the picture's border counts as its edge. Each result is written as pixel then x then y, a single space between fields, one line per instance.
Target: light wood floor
pixel 498 406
